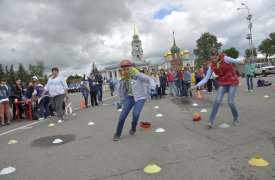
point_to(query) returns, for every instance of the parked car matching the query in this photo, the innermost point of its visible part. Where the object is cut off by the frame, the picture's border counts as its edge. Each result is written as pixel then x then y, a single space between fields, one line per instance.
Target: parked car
pixel 72 88
pixel 264 69
pixel 78 87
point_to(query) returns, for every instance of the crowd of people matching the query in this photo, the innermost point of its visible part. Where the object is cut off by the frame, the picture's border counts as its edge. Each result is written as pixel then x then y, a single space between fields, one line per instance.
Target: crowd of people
pixel 47 101
pixel 51 98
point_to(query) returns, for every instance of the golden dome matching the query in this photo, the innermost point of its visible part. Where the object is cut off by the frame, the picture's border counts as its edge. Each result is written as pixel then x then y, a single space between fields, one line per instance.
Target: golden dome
pixel 169 53
pixel 185 51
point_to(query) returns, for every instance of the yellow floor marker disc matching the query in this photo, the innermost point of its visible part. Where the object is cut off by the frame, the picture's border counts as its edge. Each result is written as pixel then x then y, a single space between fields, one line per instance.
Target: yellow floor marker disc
pixel 258 161
pixel 52 124
pixel 152 168
pixel 12 141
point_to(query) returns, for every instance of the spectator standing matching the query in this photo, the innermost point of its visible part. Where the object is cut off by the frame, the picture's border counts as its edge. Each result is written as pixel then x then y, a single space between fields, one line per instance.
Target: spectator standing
pixel 163 81
pixel 58 91
pixel 171 83
pixel 99 83
pixel 4 103
pixel 17 91
pixel 249 74
pixel 112 87
pixel 85 92
pixel 155 77
pixel 93 90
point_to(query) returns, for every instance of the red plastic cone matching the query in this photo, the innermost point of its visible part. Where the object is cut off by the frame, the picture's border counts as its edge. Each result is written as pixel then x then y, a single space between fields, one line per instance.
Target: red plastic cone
pixel 199 95
pixel 83 104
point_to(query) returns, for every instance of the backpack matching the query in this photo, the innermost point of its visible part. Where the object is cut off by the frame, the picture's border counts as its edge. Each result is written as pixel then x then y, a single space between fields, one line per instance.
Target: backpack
pixel 260 83
pixel 35 115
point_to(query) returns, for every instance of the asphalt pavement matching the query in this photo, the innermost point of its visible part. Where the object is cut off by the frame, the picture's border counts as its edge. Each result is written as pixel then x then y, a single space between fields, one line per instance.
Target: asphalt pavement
pixel 187 150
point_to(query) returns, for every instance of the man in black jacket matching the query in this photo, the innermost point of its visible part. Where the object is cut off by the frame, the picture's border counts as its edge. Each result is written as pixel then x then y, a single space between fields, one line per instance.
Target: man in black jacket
pixel 17 91
pixel 99 83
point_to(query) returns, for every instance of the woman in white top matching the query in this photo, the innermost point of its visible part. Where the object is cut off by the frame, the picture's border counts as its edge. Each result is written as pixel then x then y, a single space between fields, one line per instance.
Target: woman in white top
pixel 58 90
pixel 155 77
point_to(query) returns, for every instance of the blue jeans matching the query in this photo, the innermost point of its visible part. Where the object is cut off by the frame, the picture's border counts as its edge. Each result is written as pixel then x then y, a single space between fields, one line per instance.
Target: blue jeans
pixel 112 89
pixel 129 103
pixel 172 87
pixel 99 93
pixel 44 107
pixel 177 83
pixel 185 87
pixel 249 82
pixel 231 90
pixel 86 101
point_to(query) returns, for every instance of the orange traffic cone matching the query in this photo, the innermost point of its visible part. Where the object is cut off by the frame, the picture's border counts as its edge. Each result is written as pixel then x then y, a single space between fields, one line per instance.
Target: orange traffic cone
pixel 83 104
pixel 199 95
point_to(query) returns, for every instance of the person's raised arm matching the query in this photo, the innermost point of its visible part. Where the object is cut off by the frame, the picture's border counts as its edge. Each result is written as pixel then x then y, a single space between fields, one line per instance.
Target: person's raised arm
pixel 232 60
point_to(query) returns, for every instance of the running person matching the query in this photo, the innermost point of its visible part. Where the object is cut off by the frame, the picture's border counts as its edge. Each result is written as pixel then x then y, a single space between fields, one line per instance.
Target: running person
pixel 228 83
pixel 132 93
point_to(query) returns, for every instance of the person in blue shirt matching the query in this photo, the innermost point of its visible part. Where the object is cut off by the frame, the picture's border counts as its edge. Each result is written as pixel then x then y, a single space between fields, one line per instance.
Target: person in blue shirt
pixel 93 90
pixel 186 82
pixel 112 86
pixel 85 93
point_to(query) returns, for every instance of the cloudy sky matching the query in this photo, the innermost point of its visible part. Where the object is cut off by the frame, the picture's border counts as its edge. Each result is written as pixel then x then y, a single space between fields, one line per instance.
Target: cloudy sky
pixel 71 34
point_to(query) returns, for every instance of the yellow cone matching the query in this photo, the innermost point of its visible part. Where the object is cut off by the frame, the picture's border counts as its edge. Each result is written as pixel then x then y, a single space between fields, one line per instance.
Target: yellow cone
pixel 152 168
pixel 12 141
pixel 52 124
pixel 258 161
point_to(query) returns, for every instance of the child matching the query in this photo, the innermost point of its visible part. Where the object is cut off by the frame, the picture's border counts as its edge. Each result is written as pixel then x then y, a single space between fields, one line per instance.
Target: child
pixel 132 94
pixel 228 83
pixel 112 86
pixel 85 92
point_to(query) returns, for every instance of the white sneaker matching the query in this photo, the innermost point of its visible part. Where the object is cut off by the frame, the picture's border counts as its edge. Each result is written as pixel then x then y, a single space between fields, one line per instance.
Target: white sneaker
pixel 60 121
pixel 41 118
pixel 247 90
pixel 251 90
pixel 236 123
pixel 49 116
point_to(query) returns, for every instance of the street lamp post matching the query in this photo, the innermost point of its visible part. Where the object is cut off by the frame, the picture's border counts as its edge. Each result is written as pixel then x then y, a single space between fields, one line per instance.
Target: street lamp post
pixel 249 36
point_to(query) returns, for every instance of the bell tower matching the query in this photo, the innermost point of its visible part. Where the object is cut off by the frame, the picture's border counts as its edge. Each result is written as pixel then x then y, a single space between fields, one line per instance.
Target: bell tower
pixel 137 52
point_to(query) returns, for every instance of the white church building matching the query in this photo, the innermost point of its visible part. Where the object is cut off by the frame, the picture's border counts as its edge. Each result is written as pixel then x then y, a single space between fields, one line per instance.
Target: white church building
pixel 113 71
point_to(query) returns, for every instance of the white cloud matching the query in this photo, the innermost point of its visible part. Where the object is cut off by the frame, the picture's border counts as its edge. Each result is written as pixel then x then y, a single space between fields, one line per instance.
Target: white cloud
pixel 73 34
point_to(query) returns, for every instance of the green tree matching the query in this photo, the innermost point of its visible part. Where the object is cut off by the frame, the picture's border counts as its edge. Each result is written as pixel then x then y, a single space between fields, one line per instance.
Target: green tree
pixel 272 38
pixel 248 53
pixel 2 72
pixel 44 80
pixel 94 69
pixel 22 73
pixel 11 75
pixel 37 70
pixel 204 43
pixel 232 52
pixel 6 72
pixel 74 79
pixel 266 48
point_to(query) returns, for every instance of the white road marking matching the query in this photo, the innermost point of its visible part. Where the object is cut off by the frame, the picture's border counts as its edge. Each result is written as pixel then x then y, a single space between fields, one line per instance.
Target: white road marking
pixel 24 127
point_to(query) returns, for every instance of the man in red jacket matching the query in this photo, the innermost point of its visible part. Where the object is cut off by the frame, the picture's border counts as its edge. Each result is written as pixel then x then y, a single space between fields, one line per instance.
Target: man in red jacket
pixel 228 83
